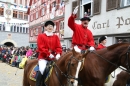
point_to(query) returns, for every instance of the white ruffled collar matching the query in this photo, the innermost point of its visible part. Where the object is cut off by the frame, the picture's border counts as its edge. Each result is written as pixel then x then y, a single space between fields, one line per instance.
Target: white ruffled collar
pixel 48 33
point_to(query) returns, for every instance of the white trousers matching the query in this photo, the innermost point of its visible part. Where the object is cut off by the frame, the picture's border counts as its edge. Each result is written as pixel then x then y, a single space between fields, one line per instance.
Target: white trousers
pixel 42 65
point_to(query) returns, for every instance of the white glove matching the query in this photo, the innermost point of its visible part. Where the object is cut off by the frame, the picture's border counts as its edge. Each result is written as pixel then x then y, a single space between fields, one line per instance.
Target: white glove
pixel 77 49
pixel 57 56
pixel 91 48
pixel 51 56
pixel 75 10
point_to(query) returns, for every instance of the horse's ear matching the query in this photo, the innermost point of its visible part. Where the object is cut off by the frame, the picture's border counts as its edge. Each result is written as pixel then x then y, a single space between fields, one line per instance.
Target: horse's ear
pixel 73 51
pixel 85 54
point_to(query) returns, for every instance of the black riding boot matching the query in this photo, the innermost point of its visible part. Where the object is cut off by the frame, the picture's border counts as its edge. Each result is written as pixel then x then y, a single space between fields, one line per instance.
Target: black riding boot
pixel 39 79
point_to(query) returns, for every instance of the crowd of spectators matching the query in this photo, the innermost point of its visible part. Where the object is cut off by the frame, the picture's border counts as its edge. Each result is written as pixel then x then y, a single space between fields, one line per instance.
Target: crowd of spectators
pixel 14 55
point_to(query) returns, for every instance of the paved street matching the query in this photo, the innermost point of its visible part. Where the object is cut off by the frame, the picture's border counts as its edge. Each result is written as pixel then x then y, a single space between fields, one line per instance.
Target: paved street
pixel 8 77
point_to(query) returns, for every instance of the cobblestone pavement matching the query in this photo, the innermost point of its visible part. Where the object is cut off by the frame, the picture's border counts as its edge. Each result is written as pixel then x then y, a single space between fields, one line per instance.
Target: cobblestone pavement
pixel 8 77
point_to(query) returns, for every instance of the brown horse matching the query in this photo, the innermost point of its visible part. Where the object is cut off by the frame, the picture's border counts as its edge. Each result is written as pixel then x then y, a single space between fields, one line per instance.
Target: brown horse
pixel 65 68
pixel 99 64
pixel 121 79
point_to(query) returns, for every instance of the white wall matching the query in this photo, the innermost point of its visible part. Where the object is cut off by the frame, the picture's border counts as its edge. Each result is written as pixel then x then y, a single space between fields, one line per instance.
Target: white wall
pixel 111 18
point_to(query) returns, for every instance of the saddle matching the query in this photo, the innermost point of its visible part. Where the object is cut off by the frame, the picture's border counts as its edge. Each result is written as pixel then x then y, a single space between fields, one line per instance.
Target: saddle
pixel 46 74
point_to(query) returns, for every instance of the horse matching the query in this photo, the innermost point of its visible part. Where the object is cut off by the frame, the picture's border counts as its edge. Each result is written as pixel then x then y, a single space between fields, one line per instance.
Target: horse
pixel 63 70
pixel 99 64
pixel 112 77
pixel 122 79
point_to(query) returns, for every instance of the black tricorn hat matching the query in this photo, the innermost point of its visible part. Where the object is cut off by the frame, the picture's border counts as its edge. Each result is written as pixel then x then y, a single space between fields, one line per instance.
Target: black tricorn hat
pixel 85 18
pixel 49 23
pixel 102 38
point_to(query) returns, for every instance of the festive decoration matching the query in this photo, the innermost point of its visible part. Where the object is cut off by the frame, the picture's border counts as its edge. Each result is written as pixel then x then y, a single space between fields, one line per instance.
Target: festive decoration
pixel 14 23
pixel 9 5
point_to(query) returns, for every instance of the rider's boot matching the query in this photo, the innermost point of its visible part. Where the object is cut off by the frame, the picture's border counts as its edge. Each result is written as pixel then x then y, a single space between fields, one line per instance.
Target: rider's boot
pixel 39 79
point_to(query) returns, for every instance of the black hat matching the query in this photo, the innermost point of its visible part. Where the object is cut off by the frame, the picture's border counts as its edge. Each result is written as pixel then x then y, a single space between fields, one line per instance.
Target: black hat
pixel 49 23
pixel 85 18
pixel 102 38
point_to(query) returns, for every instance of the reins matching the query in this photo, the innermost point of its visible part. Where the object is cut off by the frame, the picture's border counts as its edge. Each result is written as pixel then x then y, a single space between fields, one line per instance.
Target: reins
pixel 127 53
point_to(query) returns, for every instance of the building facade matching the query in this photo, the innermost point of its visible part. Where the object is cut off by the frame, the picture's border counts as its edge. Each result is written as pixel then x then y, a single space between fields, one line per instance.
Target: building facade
pixel 14 23
pixel 108 17
pixel 41 11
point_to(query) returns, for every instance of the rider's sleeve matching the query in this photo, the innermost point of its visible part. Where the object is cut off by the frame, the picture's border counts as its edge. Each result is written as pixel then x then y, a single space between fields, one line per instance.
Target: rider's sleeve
pixel 71 22
pixel 58 46
pixel 41 46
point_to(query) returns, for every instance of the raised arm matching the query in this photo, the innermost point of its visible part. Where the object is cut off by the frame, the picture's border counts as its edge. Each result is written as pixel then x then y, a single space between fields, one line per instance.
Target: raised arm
pixel 71 22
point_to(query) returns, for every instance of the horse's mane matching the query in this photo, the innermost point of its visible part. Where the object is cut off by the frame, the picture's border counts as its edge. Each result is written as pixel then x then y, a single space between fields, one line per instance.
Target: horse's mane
pixel 66 53
pixel 115 46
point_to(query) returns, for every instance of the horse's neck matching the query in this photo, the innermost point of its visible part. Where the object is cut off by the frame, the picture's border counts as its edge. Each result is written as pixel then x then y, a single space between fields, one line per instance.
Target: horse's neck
pixel 113 57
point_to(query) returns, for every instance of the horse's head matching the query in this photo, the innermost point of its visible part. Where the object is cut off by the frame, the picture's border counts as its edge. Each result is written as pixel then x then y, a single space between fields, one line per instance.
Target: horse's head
pixel 71 61
pixel 121 54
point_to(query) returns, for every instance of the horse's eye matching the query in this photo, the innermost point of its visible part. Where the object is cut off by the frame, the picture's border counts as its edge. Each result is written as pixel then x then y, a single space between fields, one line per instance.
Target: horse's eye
pixel 72 64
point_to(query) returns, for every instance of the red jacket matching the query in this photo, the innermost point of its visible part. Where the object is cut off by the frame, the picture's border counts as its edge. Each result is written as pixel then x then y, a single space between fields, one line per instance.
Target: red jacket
pixel 100 46
pixel 81 35
pixel 48 45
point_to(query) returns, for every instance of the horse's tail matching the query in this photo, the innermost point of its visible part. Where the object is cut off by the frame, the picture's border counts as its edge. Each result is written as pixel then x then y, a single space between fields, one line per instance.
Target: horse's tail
pixel 25 81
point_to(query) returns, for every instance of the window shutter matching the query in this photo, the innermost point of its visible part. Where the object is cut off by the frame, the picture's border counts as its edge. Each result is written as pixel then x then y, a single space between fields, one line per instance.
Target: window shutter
pixel 97 6
pixel 112 4
pixel 42 1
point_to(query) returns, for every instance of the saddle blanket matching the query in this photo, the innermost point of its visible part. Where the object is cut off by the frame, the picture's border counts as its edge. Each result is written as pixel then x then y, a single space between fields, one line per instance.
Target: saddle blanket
pixel 34 73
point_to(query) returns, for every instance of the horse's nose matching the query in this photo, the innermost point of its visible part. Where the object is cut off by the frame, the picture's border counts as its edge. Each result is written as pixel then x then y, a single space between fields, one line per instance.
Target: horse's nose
pixel 71 81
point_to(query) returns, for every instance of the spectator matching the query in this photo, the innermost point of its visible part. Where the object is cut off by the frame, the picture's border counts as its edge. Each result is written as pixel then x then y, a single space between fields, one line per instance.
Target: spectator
pixel 102 42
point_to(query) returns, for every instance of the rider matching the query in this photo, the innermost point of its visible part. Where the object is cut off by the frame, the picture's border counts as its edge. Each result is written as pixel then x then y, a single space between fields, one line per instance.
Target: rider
pixel 102 42
pixel 82 37
pixel 49 48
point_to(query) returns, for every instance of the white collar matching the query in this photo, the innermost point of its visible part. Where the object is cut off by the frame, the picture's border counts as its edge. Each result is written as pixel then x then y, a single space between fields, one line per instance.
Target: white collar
pixel 48 33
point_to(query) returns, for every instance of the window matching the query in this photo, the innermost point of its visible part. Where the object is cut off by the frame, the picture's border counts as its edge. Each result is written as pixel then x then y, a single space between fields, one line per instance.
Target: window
pixel 3 27
pixel 0 27
pixel 20 1
pixel 36 15
pixel 26 30
pixel 43 11
pixel 23 30
pixel 123 40
pixel 25 16
pixel 124 3
pixel 87 9
pixel 85 6
pixel 97 7
pixel 20 15
pixel 14 28
pixel 1 11
pixel 112 4
pixel 14 1
pixel 15 14
pixel 11 28
pixel 31 19
pixel 25 2
pixel 17 28
pixel 20 29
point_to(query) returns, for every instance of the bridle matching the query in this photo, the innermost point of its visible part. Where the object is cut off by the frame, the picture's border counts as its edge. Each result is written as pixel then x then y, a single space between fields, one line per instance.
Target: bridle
pixel 68 70
pixel 117 66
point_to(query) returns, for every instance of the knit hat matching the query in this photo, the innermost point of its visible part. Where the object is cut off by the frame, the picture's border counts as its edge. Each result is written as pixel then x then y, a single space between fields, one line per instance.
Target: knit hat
pixel 102 38
pixel 49 23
